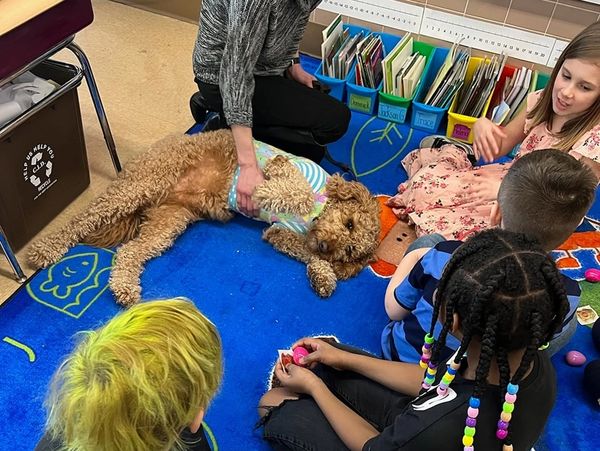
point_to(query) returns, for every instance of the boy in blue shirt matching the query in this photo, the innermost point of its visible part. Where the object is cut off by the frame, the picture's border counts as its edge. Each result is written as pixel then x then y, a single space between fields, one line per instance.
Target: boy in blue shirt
pixel 545 194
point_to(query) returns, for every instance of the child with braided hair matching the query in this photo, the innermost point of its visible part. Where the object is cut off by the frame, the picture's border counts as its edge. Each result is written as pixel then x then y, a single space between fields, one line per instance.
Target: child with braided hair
pixel 502 296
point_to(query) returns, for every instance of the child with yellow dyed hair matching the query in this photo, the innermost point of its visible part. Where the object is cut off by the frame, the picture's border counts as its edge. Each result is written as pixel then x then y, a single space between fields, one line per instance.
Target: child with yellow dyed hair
pixel 140 382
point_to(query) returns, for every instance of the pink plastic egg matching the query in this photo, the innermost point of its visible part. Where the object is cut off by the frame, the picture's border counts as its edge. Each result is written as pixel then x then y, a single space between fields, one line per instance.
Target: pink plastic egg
pixel 575 358
pixel 592 275
pixel 299 352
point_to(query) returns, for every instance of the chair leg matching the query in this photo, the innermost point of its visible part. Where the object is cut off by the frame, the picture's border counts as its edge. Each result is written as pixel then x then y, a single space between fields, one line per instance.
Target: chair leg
pixel 91 82
pixel 12 259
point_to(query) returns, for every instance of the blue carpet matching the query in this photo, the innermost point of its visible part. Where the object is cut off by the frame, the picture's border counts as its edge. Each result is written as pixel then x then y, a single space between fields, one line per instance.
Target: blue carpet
pixel 574 423
pixel 259 299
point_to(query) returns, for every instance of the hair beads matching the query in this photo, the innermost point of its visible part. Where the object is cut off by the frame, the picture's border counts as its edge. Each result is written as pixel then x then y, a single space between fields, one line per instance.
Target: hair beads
pixel 447 378
pixel 507 409
pixel 426 356
pixel 426 362
pixel 429 376
pixel 470 424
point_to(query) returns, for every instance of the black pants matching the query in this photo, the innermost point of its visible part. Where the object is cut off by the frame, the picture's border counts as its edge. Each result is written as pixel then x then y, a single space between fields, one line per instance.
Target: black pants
pixel 301 425
pixel 288 115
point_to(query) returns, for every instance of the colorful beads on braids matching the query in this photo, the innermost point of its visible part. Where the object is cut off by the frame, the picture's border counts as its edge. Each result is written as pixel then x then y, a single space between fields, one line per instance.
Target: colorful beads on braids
pixel 447 378
pixel 425 362
pixel 507 409
pixel 426 356
pixel 429 376
pixel 470 423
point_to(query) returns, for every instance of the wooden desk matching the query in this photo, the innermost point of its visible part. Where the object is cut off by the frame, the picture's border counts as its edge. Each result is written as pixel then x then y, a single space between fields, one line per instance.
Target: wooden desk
pixel 16 12
pixel 30 32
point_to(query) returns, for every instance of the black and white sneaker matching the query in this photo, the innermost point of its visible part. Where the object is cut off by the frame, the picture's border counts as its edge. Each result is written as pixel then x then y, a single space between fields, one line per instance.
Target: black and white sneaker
pixel 437 141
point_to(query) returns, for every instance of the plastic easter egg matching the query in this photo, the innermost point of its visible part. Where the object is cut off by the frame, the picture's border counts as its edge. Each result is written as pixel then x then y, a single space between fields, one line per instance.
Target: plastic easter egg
pixel 575 358
pixel 592 275
pixel 299 352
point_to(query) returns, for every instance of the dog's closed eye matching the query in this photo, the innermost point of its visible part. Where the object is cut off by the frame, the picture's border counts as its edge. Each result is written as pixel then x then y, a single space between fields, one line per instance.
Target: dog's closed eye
pixel 349 224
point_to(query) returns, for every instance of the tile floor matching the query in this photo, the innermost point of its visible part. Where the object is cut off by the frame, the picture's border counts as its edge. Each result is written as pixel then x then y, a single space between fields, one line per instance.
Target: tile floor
pixel 142 64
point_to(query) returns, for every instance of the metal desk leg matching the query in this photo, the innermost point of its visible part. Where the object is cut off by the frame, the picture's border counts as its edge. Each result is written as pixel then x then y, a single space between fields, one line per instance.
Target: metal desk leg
pixel 89 76
pixel 12 259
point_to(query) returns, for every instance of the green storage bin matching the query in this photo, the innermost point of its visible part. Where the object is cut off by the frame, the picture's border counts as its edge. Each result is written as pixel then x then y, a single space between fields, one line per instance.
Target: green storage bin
pixel 395 109
pixel 541 81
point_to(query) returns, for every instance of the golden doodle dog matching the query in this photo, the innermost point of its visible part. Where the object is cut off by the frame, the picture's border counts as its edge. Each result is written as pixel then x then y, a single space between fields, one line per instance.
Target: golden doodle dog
pixel 324 221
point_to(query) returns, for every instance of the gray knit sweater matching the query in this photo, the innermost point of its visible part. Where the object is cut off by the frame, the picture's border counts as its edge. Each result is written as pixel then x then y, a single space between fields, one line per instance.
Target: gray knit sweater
pixel 238 39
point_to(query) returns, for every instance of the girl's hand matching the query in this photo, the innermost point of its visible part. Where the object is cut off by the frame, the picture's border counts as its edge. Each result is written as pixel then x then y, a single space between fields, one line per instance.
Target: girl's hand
pixel 483 190
pixel 487 139
pixel 320 352
pixel 299 380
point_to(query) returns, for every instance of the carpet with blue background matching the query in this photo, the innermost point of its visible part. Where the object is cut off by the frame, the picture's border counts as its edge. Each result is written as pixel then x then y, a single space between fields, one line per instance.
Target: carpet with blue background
pixel 260 301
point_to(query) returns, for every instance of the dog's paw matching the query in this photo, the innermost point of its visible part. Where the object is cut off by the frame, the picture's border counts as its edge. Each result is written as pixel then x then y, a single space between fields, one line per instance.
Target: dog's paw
pixel 46 251
pixel 277 167
pixel 322 277
pixel 127 296
pixel 127 293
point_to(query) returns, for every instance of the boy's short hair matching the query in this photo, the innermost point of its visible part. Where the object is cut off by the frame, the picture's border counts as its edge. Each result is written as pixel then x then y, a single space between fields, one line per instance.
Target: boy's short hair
pixel 545 194
pixel 138 381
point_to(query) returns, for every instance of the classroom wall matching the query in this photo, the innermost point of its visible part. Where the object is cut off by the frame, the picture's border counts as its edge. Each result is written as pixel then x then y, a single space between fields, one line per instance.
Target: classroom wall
pixel 561 19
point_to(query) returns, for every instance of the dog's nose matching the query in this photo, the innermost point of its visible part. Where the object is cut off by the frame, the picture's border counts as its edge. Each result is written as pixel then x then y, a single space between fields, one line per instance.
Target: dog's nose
pixel 323 246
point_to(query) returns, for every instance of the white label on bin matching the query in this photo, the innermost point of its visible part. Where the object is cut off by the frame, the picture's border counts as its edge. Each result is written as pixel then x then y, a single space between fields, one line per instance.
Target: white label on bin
pixel 37 168
pixel 392 112
pixel 425 120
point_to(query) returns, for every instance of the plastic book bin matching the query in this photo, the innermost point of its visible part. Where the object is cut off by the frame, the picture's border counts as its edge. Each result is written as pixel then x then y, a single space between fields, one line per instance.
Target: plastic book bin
pixel 460 126
pixel 426 117
pixel 338 86
pixel 507 71
pixel 360 98
pixel 396 109
pixel 542 80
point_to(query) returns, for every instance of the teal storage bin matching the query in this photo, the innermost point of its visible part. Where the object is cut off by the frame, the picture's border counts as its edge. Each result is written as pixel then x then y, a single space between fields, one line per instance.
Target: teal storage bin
pixel 396 109
pixel 541 81
pixel 426 117
pixel 338 86
pixel 361 99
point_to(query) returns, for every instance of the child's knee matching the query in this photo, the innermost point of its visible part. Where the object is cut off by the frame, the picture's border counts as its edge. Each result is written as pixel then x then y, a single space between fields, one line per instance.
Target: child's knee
pixel 274 398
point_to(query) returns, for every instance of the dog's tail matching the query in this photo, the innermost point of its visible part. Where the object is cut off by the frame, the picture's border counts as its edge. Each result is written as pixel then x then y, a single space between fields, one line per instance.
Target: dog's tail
pixel 117 232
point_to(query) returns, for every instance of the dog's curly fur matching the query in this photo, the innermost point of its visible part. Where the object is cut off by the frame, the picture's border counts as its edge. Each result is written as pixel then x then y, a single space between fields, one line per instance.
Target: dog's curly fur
pixel 183 179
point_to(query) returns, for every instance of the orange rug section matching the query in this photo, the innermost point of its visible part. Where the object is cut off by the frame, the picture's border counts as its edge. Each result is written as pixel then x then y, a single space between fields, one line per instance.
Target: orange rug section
pixel 564 256
pixel 579 240
pixel 388 219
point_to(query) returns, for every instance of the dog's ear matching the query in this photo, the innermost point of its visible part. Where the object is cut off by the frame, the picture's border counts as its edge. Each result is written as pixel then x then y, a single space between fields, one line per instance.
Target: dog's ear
pixel 339 189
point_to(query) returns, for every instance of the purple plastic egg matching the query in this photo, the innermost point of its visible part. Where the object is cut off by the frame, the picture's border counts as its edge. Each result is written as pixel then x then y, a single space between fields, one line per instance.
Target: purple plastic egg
pixel 299 352
pixel 575 358
pixel 592 275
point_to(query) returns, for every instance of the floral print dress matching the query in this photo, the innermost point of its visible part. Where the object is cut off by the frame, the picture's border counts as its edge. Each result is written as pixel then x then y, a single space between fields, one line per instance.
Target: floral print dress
pixel 437 195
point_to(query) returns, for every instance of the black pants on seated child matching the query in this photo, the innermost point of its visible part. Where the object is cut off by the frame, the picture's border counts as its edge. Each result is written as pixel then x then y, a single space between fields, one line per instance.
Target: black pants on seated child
pixel 300 425
pixel 288 115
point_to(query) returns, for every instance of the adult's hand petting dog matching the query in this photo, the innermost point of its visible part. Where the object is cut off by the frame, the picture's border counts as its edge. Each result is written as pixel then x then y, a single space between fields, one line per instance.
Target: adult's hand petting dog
pixel 182 179
pixel 250 175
